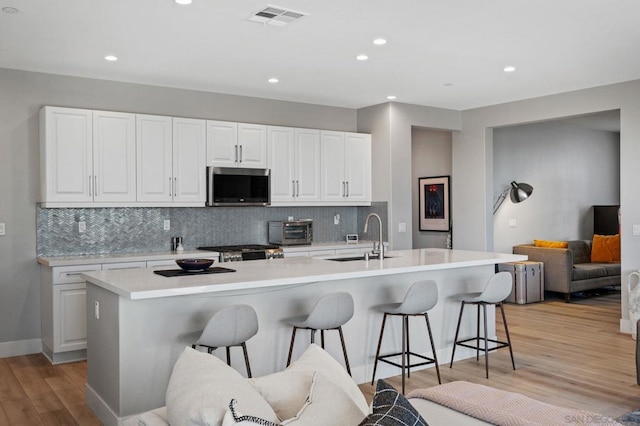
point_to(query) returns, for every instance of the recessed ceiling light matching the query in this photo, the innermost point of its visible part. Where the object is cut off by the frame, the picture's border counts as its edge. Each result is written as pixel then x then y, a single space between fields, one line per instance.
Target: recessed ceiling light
pixel 509 69
pixel 111 58
pixel 391 97
pixel 10 10
pixel 362 57
pixel 379 41
pixel 273 80
pixel 183 2
pixel 448 84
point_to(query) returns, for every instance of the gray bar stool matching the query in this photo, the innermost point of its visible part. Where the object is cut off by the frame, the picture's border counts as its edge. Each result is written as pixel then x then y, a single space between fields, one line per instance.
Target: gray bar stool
pixel 330 312
pixel 498 288
pixel 421 297
pixel 232 326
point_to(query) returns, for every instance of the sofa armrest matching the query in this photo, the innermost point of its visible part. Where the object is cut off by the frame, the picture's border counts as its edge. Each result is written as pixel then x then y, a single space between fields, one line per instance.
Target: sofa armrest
pixel 558 265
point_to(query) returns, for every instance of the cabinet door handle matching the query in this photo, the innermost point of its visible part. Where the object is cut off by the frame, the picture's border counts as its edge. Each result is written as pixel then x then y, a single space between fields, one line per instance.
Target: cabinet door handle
pixel 90 186
pixel 236 154
pixel 293 188
pixel 297 188
pixel 347 182
pixel 170 186
pixel 95 186
pixel 241 153
pixel 175 187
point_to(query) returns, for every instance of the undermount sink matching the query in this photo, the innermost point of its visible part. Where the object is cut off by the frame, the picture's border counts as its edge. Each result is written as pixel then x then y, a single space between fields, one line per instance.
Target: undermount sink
pixel 349 259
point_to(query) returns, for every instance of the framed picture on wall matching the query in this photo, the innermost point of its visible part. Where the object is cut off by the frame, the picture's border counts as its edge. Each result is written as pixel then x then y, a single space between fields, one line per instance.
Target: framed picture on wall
pixel 433 203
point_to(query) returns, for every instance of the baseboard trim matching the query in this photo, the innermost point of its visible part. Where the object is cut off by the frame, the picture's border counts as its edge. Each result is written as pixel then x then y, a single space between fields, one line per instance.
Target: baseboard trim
pixel 20 347
pixel 625 325
pixel 100 408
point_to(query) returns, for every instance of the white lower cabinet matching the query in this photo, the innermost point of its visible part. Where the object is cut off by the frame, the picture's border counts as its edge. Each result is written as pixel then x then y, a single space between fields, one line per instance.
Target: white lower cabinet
pixel 63 305
pixel 69 301
pixel 63 312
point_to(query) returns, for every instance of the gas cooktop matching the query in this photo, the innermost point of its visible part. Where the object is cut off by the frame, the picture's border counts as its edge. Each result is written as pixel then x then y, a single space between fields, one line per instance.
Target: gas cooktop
pixel 240 248
pixel 246 252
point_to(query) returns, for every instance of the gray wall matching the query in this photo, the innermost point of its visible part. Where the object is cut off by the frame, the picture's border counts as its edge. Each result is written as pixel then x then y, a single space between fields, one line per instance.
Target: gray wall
pixel 24 93
pixel 473 163
pixel 430 156
pixel 392 157
pixel 570 169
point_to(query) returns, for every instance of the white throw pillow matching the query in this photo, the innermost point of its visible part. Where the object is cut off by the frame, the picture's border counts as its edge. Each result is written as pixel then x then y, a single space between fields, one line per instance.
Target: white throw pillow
pixel 315 358
pixel 327 404
pixel 286 391
pixel 200 388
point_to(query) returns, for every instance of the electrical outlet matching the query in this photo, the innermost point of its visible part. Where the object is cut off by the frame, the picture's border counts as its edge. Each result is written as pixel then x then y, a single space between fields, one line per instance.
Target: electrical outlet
pixel 96 309
pixel 336 219
pixel 636 230
pixel 82 227
pixel 290 218
pixel 513 223
pixel 2 229
pixel 402 227
pixel 167 225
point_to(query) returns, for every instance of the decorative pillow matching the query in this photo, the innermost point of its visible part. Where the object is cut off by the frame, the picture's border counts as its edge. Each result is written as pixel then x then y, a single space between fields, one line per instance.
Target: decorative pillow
pixel 391 409
pixel 201 386
pixel 550 244
pixel 315 358
pixel 285 391
pixel 326 404
pixel 605 248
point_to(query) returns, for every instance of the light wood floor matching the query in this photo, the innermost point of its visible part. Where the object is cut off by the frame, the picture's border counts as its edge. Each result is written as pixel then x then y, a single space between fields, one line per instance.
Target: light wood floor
pixel 566 354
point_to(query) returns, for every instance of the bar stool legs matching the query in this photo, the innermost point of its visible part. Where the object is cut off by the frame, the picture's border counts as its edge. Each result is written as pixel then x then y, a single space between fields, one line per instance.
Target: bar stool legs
pixel 330 312
pixel 420 298
pixel 406 353
pixel 313 332
pixel 495 292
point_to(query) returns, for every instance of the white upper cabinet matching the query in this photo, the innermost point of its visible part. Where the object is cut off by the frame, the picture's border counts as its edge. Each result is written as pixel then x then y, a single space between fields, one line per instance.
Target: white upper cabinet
pixel 231 144
pixel 294 160
pixel 154 142
pixel 87 156
pixel 222 143
pixel 346 167
pixel 281 151
pixel 252 146
pixel 357 166
pixel 171 160
pixel 66 155
pixel 114 156
pixel 189 160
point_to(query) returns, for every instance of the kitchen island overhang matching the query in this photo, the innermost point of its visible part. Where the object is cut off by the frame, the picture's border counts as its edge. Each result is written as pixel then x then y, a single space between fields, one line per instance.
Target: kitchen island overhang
pixel 145 320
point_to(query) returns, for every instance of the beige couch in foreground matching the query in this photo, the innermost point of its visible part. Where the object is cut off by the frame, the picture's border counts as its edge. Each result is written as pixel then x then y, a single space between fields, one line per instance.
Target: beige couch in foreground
pixel 568 270
pixel 316 390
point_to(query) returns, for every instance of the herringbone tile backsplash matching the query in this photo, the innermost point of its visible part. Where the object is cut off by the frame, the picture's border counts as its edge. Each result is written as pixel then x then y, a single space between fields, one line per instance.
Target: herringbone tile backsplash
pixel 137 229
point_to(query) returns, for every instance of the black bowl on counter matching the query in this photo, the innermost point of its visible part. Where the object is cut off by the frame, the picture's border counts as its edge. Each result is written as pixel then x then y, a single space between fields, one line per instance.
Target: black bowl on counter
pixel 194 264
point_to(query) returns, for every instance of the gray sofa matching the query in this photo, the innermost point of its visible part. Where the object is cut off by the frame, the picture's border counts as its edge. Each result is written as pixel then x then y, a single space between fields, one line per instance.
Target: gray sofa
pixel 567 270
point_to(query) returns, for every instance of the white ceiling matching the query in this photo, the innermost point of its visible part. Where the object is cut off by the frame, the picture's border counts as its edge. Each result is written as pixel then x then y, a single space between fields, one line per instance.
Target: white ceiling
pixel 447 54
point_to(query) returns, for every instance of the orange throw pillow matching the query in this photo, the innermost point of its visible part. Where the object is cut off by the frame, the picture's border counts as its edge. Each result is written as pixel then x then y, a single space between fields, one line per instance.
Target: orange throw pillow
pixel 550 244
pixel 605 248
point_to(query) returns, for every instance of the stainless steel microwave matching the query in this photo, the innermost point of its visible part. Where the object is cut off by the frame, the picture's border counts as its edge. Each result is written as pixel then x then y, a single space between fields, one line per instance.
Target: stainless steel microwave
pixel 289 233
pixel 231 186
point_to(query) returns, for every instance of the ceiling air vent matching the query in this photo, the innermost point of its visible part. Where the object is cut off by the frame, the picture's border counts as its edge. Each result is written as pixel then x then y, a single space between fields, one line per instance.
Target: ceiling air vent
pixel 276 15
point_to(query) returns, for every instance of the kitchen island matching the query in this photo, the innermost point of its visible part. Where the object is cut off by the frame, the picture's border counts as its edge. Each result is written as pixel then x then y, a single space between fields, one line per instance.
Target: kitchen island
pixel 139 322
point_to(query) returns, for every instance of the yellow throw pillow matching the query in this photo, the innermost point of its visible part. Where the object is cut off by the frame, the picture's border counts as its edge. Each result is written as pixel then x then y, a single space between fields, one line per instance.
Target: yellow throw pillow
pixel 605 248
pixel 550 244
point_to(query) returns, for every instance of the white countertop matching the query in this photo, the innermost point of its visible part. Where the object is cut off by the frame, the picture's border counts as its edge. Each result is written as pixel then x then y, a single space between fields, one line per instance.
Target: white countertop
pixel 145 284
pixel 122 257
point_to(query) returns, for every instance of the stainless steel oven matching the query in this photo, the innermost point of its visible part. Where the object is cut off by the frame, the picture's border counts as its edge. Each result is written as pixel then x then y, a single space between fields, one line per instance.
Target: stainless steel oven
pixel 289 233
